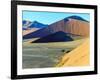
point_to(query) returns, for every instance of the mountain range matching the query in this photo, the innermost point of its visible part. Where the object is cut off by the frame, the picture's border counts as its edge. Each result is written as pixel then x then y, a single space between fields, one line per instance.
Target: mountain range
pixel 35 24
pixel 72 24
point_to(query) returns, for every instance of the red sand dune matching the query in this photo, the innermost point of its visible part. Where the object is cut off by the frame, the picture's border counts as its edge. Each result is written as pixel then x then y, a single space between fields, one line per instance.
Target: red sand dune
pixel 73 26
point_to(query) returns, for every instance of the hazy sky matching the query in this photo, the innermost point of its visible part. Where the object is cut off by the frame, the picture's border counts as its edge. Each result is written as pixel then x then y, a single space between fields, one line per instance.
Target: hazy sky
pixel 51 17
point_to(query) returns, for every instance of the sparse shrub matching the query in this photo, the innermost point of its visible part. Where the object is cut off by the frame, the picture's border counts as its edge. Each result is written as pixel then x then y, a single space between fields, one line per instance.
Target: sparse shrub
pixel 63 50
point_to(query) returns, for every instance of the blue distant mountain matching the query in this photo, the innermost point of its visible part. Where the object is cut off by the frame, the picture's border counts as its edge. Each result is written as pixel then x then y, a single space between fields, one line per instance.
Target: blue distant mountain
pixel 35 24
pixel 26 23
pixel 55 37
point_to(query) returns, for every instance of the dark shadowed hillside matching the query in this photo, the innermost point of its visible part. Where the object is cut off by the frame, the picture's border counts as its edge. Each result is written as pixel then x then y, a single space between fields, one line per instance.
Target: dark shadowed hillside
pixel 56 37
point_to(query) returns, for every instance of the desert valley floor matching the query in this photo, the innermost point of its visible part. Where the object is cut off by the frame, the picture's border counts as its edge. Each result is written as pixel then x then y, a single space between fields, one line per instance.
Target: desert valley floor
pixel 55 54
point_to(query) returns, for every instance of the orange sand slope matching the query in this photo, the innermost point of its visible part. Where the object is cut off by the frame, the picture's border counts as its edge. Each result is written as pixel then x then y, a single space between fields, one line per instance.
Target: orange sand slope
pixel 77 57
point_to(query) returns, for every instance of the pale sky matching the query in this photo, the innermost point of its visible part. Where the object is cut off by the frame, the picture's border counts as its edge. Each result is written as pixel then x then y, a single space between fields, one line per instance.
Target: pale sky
pixel 51 17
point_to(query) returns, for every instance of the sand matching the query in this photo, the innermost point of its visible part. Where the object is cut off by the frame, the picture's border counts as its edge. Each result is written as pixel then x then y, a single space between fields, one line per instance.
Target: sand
pixel 77 57
pixel 25 32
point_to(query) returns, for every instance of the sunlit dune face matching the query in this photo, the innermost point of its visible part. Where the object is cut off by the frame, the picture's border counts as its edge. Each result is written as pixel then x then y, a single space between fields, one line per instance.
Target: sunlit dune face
pixel 77 57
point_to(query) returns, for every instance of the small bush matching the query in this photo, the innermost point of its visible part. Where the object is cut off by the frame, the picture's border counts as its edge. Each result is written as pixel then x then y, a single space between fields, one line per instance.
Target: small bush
pixel 63 50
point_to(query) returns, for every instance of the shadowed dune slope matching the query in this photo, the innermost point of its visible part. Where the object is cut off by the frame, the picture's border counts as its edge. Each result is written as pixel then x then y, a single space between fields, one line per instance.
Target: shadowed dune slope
pixel 77 57
pixel 56 37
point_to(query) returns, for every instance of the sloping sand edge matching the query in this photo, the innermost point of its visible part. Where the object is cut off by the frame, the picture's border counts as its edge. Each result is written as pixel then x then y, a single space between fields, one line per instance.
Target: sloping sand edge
pixel 77 57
